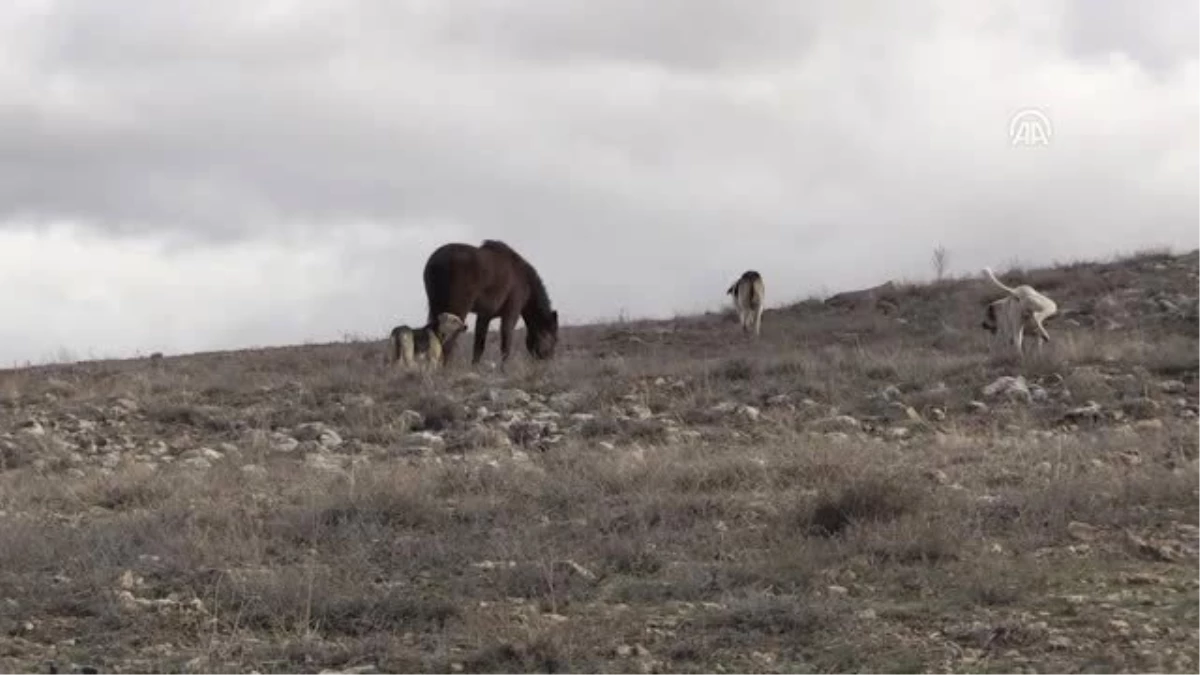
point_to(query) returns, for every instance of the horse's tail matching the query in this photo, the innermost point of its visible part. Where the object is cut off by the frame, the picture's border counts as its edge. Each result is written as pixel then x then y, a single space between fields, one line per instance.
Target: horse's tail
pixel 450 274
pixel 436 279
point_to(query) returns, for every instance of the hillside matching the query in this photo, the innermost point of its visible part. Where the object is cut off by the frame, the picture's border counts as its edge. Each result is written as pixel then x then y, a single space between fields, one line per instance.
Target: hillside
pixel 866 487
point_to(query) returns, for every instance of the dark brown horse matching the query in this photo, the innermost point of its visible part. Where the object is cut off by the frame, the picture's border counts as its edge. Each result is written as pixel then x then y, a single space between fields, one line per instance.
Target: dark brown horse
pixel 491 280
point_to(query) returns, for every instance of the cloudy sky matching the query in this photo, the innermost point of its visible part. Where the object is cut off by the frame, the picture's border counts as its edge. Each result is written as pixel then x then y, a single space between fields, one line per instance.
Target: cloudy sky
pixel 217 173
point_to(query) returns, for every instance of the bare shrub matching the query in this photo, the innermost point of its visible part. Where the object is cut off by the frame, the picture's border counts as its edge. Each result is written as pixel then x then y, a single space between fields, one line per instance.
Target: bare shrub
pixel 868 499
pixel 940 261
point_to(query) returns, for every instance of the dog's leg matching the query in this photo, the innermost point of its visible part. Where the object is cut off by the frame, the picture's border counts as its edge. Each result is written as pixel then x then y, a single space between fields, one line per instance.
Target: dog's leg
pixel 449 343
pixel 453 327
pixel 435 350
pixel 392 353
pixel 1014 326
pixel 758 321
pixel 1038 318
pixel 407 356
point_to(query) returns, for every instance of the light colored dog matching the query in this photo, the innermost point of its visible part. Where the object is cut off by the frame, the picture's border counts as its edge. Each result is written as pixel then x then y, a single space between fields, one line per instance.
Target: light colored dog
pixel 1022 309
pixel 411 346
pixel 748 295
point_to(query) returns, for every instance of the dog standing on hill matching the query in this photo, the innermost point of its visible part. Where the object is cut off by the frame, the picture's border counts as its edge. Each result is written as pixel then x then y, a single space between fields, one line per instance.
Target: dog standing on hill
pixel 1023 308
pixel 748 294
pixel 408 345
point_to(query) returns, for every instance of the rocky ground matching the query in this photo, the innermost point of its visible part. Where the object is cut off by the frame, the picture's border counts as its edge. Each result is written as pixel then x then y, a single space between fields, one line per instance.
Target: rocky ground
pixel 867 487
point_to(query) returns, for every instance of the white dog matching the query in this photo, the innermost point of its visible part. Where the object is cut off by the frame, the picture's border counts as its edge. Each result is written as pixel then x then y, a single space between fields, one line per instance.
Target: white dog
pixel 1022 309
pixel 748 294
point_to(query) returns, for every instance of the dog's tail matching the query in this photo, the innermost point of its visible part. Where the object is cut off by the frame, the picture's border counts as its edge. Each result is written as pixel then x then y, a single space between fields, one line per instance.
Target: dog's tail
pixel 400 345
pixel 991 275
pixel 757 290
pixel 393 346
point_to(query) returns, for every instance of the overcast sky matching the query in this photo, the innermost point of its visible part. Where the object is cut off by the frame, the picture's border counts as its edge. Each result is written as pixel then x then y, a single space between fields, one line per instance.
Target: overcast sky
pixel 216 174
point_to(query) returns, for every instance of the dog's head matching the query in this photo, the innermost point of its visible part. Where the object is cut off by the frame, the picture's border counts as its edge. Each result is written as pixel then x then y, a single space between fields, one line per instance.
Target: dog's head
pixel 991 323
pixel 447 326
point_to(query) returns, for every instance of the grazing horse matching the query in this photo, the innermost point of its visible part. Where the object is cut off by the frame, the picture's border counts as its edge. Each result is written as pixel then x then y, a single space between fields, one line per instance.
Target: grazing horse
pixel 491 280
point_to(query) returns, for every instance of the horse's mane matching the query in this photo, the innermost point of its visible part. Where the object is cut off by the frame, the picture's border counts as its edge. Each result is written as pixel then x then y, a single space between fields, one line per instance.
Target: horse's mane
pixel 541 299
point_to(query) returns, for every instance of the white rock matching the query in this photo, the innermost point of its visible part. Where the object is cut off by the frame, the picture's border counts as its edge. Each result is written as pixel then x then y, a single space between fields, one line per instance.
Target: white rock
pixel 198 463
pixel 207 453
pixel 32 428
pixel 749 412
pixel 1013 387
pixel 282 442
pixel 323 461
pixel 836 423
pixel 566 401
pixel 509 397
pixel 254 471
pixel 411 420
pixel 424 439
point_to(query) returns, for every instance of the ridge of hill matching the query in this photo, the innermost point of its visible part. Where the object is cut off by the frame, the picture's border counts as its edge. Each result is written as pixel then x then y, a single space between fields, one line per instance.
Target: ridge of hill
pixel 869 486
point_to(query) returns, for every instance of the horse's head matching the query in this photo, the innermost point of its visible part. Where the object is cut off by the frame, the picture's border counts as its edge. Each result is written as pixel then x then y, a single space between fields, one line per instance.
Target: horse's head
pixel 541 337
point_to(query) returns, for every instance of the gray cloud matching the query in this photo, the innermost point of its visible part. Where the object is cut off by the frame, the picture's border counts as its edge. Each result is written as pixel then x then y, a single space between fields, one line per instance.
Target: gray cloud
pixel 676 34
pixel 1160 35
pixel 826 144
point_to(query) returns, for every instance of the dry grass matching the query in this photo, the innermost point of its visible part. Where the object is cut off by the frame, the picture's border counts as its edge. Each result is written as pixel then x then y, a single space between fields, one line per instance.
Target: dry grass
pixel 1004 540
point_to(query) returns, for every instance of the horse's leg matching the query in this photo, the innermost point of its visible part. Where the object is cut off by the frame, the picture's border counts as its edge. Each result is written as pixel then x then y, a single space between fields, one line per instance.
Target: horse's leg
pixel 481 330
pixel 508 321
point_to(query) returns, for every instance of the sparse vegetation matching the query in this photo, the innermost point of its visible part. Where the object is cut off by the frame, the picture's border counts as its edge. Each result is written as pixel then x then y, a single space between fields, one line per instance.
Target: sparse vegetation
pixel 940 262
pixel 840 495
